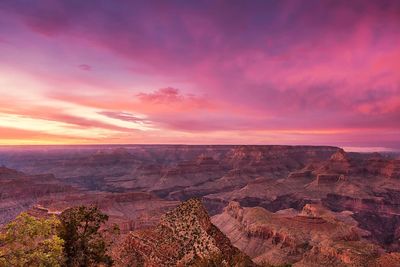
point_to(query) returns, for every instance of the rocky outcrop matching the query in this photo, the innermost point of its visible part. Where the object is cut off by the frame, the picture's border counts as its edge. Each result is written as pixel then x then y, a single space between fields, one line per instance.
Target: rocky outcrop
pixel 392 169
pixel 313 237
pixel 389 259
pixel 183 237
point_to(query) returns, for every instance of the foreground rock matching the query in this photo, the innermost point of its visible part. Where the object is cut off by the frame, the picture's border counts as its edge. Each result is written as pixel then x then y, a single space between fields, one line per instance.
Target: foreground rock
pixel 184 237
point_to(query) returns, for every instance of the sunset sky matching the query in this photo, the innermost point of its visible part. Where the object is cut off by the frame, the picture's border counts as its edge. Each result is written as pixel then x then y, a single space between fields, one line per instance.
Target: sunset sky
pixel 200 72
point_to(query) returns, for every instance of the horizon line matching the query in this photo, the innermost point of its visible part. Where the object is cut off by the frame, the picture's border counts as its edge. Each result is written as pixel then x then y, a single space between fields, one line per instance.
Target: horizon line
pixel 360 149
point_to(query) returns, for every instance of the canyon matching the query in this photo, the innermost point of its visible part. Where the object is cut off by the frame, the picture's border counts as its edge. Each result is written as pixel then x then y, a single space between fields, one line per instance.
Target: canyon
pixel 299 205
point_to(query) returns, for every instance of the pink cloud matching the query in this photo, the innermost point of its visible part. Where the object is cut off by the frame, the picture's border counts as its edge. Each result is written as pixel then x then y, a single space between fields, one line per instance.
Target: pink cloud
pixel 58 115
pixel 172 97
pixel 163 95
pixel 124 116
pixel 85 67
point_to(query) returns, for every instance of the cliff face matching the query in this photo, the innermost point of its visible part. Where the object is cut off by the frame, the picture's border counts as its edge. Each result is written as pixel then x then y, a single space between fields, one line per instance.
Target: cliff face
pixel 183 237
pixel 160 167
pixel 131 211
pixel 19 191
pixel 313 237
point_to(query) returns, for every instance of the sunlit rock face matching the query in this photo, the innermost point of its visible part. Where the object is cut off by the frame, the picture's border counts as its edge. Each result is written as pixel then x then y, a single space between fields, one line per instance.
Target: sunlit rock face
pixel 313 237
pixel 183 236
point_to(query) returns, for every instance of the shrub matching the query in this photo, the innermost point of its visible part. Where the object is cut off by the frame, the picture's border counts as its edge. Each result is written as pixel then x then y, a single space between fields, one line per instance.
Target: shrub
pixel 30 241
pixel 86 244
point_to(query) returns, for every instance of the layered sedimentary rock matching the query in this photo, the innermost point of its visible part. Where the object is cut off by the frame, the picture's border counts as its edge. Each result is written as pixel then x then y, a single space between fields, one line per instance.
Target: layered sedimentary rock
pixel 19 191
pixel 313 237
pixel 131 211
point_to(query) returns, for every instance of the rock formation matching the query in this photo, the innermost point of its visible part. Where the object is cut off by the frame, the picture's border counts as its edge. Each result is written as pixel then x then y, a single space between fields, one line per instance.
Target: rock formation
pixel 183 237
pixel 313 237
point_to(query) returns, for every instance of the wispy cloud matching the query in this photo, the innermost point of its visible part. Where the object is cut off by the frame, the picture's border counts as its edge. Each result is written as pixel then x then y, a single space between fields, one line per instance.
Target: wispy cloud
pixel 124 116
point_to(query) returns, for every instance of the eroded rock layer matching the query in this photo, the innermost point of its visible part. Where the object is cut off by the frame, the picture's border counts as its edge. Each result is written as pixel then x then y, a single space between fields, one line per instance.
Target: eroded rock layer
pixel 184 236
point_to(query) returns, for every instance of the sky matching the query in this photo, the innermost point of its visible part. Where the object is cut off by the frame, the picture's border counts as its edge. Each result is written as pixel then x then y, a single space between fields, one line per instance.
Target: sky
pixel 200 72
